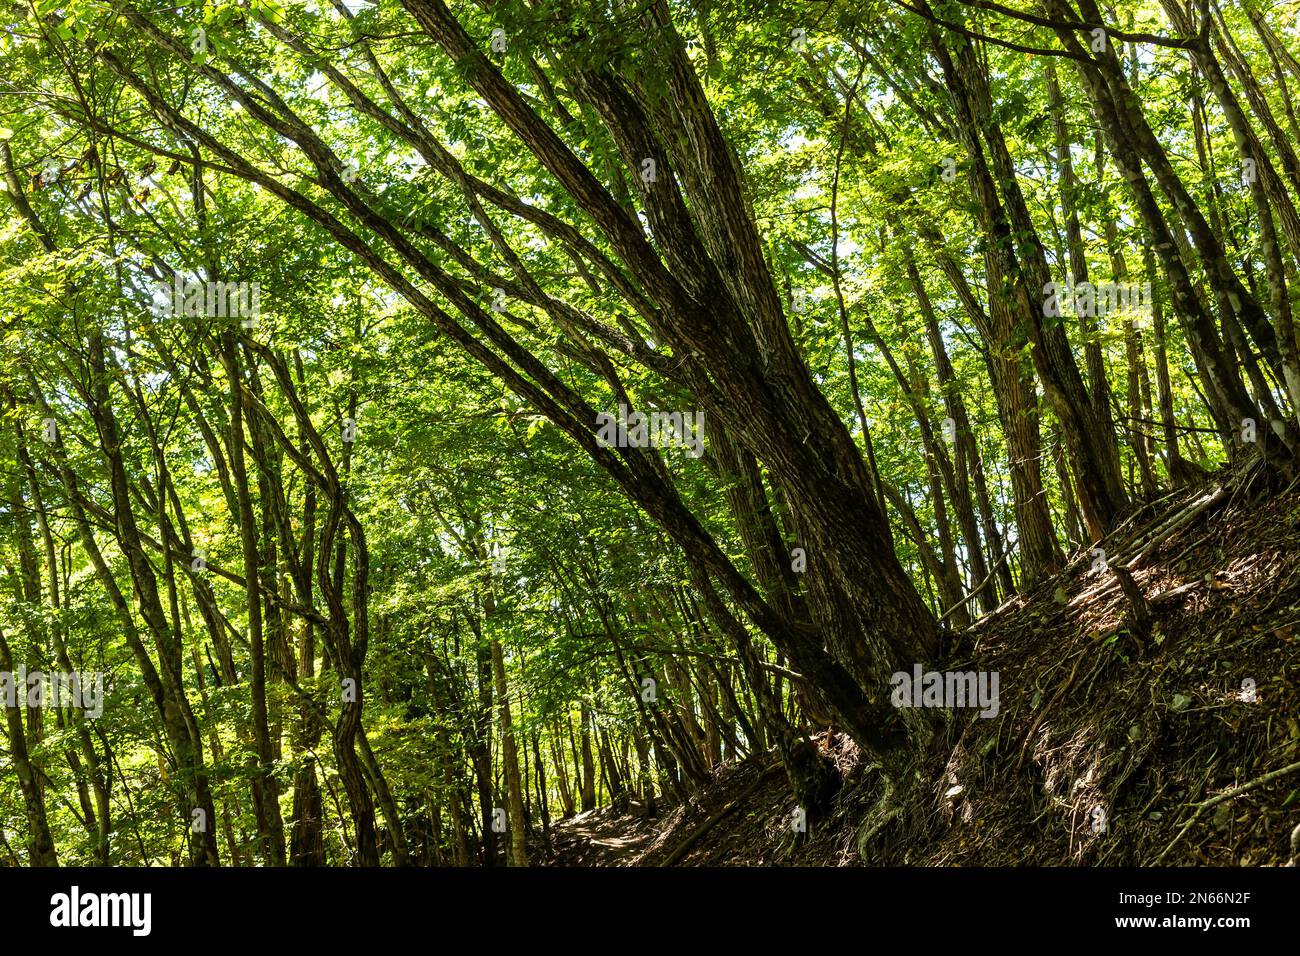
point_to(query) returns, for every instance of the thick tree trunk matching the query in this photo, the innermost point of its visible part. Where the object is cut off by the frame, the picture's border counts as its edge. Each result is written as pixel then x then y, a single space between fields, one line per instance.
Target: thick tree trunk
pixel 867 613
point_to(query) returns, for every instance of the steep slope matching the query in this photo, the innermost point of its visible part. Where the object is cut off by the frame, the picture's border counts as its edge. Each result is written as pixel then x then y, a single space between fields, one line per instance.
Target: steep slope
pixel 1154 723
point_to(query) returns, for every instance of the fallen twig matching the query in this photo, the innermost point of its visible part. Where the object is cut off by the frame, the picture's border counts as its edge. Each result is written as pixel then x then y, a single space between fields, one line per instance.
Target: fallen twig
pixel 1228 795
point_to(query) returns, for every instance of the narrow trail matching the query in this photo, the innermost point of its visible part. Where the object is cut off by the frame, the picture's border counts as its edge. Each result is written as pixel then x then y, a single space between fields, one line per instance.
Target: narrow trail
pixel 599 838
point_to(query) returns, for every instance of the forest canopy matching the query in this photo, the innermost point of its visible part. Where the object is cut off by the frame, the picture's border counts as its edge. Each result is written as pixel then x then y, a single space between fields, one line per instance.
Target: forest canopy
pixel 428 421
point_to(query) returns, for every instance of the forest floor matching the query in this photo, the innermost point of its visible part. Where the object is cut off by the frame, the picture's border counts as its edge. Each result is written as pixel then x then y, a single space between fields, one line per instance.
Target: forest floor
pixel 1116 743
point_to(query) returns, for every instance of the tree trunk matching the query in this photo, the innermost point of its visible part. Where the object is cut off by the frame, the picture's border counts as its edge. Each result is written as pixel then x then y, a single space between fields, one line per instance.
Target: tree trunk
pixel 518 855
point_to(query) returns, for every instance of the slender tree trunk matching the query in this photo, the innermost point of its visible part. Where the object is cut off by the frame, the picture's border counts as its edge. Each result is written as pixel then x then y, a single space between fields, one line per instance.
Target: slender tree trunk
pixel 588 763
pixel 40 844
pixel 266 804
pixel 510 761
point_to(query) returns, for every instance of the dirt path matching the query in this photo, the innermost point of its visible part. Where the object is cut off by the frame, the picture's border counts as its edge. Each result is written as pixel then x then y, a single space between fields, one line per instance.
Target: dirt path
pixel 600 839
